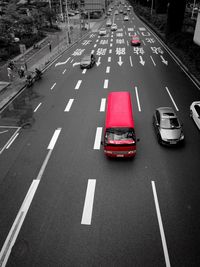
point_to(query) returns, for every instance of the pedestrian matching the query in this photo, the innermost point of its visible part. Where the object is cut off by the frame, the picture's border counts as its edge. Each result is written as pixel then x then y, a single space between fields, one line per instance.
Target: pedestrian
pixel 21 72
pixel 49 43
pixel 9 73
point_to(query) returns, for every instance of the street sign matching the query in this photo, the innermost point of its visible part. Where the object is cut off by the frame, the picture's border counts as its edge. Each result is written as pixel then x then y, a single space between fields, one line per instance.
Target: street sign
pixel 22 48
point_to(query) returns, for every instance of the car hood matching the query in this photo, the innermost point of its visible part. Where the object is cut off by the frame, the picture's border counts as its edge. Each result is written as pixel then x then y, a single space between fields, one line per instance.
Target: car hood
pixel 170 133
pixel 85 62
pixel 135 41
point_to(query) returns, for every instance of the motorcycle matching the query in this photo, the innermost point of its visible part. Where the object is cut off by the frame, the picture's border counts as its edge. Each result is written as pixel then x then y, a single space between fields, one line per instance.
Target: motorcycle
pixel 29 81
pixel 38 74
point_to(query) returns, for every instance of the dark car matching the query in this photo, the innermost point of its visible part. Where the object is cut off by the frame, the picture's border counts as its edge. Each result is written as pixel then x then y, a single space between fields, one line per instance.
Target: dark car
pixel 167 126
pixel 87 61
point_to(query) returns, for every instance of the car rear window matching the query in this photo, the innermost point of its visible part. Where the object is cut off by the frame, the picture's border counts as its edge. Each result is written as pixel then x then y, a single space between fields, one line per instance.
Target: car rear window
pixel 169 123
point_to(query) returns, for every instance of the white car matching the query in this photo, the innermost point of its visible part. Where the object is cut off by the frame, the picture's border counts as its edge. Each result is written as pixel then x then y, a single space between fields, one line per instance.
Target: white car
pixel 108 23
pixel 114 27
pixel 102 31
pixel 195 112
pixel 126 18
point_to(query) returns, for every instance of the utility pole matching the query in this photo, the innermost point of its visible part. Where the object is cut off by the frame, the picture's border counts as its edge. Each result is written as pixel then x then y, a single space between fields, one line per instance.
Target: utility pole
pixel 66 15
pixel 50 4
pixel 61 11
pixel 151 7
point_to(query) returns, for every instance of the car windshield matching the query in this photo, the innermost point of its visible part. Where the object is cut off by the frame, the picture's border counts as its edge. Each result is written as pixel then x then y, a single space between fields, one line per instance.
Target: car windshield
pixel 86 58
pixel 120 134
pixel 135 38
pixel 169 123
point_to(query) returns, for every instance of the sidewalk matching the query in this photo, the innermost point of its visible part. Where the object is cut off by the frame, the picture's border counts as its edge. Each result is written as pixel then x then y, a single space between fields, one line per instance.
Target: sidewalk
pixel 40 58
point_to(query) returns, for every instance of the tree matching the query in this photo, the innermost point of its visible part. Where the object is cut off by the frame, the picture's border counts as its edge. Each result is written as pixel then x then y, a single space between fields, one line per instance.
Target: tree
pixel 175 17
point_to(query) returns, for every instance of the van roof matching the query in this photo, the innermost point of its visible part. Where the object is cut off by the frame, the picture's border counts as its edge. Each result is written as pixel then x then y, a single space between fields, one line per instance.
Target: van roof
pixel 119 110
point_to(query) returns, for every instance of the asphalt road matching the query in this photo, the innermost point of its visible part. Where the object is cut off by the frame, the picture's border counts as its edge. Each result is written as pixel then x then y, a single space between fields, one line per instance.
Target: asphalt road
pixel 63 203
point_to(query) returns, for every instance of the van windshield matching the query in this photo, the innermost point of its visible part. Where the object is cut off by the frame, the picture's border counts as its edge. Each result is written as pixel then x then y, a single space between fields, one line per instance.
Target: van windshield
pixel 119 134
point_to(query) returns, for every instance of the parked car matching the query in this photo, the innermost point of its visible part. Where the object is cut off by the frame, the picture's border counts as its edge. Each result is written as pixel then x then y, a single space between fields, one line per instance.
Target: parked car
pixel 126 18
pixel 102 32
pixel 108 23
pixel 135 40
pixel 87 61
pixel 195 112
pixel 114 27
pixel 116 12
pixel 167 126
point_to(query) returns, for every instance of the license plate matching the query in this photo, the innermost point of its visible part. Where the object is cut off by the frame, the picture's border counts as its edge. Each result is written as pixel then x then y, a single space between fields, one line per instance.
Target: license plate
pixel 120 156
pixel 172 142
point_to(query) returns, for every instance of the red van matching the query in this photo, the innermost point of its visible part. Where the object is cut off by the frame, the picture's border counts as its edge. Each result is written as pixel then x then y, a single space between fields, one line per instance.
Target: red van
pixel 119 133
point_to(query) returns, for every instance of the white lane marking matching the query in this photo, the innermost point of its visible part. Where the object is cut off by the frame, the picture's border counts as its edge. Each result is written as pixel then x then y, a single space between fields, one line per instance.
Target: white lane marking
pixel 95 45
pixel 97 142
pixel 37 107
pixel 103 105
pixel 143 42
pixel 131 61
pixel 105 86
pixel 72 60
pixel 109 59
pixel 12 140
pixel 54 139
pixel 162 233
pixel 92 52
pixel 69 104
pixel 108 69
pixel 62 63
pixel 89 200
pixel 64 71
pixel 97 40
pixel 14 231
pixel 78 84
pixel 53 86
pixel 111 45
pixel 138 101
pixel 84 71
pixel 110 51
pixel 153 60
pixel 111 39
pixel 172 99
pixel 127 42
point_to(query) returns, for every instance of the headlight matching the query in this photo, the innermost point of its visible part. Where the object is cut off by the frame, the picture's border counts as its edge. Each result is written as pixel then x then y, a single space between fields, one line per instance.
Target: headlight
pixel 182 136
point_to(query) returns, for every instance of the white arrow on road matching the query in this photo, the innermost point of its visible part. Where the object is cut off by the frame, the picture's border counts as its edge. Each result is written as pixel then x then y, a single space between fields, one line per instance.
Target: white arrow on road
pixel 62 63
pixel 120 62
pixel 142 61
pixel 98 61
pixel 76 63
pixel 164 61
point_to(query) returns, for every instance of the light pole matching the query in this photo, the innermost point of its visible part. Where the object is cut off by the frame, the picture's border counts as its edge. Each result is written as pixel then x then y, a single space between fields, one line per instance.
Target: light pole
pixel 151 7
pixel 69 41
pixel 193 9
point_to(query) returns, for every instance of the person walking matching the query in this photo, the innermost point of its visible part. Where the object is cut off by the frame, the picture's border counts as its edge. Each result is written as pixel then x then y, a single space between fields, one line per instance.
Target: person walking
pixel 10 75
pixel 49 44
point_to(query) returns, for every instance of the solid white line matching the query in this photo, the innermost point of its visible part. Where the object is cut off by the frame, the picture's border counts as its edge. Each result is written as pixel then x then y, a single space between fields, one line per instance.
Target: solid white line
pixel 53 86
pixel 153 60
pixel 89 200
pixel 105 86
pixel 162 233
pixel 131 61
pixel 64 71
pixel 97 142
pixel 69 104
pixel 12 140
pixel 14 231
pixel 103 105
pixel 78 84
pixel 54 139
pixel 138 101
pixel 172 99
pixel 37 107
pixel 108 69
pixel 109 59
pixel 84 71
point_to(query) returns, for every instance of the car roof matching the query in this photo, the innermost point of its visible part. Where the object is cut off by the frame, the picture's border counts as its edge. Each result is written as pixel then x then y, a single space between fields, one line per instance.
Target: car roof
pixel 167 112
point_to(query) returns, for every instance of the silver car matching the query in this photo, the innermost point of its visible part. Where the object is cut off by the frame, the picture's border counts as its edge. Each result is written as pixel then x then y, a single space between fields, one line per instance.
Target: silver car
pixel 167 126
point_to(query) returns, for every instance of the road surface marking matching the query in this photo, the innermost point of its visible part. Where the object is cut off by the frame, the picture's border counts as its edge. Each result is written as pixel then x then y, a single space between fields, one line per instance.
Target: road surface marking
pixel 172 99
pixel 84 71
pixel 37 107
pixel 97 142
pixel 12 140
pixel 143 42
pixel 97 40
pixel 103 105
pixel 109 59
pixel 138 101
pixel 78 84
pixel 72 60
pixel 111 45
pixel 69 104
pixel 162 233
pixel 108 69
pixel 4 132
pixel 127 43
pixel 62 63
pixel 64 71
pixel 53 86
pixel 131 61
pixel 89 200
pixel 54 139
pixel 105 86
pixel 95 45
pixel 153 60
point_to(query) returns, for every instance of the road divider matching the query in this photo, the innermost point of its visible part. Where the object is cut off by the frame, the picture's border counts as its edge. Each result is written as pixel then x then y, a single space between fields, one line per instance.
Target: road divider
pixel 78 84
pixel 105 86
pixel 103 105
pixel 97 142
pixel 69 104
pixel 108 69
